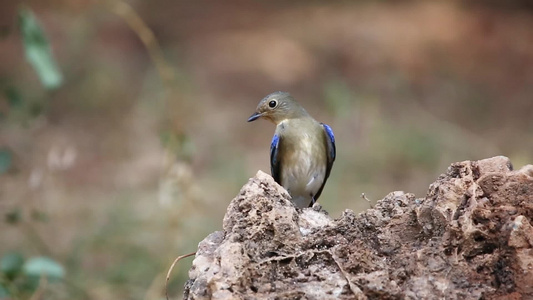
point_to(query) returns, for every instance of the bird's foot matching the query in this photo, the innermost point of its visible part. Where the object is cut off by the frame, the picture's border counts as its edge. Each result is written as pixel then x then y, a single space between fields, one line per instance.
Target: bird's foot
pixel 316 206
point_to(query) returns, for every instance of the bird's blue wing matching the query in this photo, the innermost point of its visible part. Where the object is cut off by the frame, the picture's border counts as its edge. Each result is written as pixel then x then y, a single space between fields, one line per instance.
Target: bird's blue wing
pixel 329 139
pixel 275 158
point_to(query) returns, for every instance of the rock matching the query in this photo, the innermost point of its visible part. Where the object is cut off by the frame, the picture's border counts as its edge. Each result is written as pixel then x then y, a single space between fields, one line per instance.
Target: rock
pixel 470 238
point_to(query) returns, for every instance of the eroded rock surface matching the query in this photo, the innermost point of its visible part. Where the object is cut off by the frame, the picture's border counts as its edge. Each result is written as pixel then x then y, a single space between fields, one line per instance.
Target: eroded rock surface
pixel 470 238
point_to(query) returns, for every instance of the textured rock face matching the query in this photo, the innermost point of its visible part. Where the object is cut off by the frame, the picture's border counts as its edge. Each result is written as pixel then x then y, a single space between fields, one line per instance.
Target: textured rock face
pixel 470 238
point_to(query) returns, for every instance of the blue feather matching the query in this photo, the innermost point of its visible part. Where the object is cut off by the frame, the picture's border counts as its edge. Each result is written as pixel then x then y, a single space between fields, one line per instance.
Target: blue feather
pixel 330 145
pixel 275 141
pixel 274 159
pixel 329 131
pixel 331 136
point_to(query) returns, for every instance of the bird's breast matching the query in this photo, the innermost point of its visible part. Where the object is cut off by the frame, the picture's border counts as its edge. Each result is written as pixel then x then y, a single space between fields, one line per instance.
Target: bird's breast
pixel 303 162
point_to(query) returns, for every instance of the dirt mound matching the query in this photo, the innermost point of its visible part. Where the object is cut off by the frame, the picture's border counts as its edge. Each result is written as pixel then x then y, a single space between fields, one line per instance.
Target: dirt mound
pixel 470 238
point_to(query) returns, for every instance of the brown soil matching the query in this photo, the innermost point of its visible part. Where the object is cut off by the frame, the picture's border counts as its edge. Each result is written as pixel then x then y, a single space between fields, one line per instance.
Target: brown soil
pixel 470 238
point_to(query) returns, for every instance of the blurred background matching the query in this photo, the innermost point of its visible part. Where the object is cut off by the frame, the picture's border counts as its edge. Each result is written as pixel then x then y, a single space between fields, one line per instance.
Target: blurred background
pixel 123 133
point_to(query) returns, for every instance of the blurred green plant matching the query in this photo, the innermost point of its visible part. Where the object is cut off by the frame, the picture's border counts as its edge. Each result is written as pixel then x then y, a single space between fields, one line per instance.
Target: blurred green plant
pixel 20 278
pixel 37 49
pixel 13 216
pixel 339 97
pixel 14 99
pixel 11 265
pixel 6 159
pixel 19 109
pixel 36 267
pixel 180 145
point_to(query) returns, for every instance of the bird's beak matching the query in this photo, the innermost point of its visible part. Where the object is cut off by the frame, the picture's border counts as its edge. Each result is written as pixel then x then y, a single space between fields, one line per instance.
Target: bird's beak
pixel 254 117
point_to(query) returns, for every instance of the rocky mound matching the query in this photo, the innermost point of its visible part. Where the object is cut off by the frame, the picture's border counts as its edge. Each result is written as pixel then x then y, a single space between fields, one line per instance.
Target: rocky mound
pixel 470 238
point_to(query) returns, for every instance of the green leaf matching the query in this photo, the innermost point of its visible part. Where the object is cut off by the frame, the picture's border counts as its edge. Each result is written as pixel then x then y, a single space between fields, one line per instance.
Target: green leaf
pixel 4 293
pixel 5 160
pixel 11 264
pixel 44 266
pixel 40 216
pixel 38 52
pixel 14 216
pixel 13 97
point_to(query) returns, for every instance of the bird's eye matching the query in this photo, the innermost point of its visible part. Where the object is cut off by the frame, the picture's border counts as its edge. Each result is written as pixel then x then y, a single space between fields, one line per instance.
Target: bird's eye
pixel 272 103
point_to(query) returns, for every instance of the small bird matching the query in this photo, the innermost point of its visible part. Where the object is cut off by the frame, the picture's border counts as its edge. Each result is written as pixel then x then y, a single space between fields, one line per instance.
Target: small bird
pixel 302 151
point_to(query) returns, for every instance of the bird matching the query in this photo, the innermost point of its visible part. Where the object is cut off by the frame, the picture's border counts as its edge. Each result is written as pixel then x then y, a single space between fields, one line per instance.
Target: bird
pixel 302 150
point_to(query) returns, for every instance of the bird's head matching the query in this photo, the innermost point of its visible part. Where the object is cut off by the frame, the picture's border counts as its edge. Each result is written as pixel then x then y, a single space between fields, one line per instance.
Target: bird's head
pixel 277 107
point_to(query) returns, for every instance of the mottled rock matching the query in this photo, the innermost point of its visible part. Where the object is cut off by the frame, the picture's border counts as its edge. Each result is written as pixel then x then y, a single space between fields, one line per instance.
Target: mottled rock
pixel 471 237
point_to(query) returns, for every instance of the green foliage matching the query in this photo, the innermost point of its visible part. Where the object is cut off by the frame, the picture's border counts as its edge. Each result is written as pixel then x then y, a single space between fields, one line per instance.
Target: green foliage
pixel 43 266
pixel 14 99
pixel 20 109
pixel 39 216
pixel 179 144
pixel 37 49
pixel 19 277
pixel 5 160
pixel 339 97
pixel 4 293
pixel 402 145
pixel 14 216
pixel 11 265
